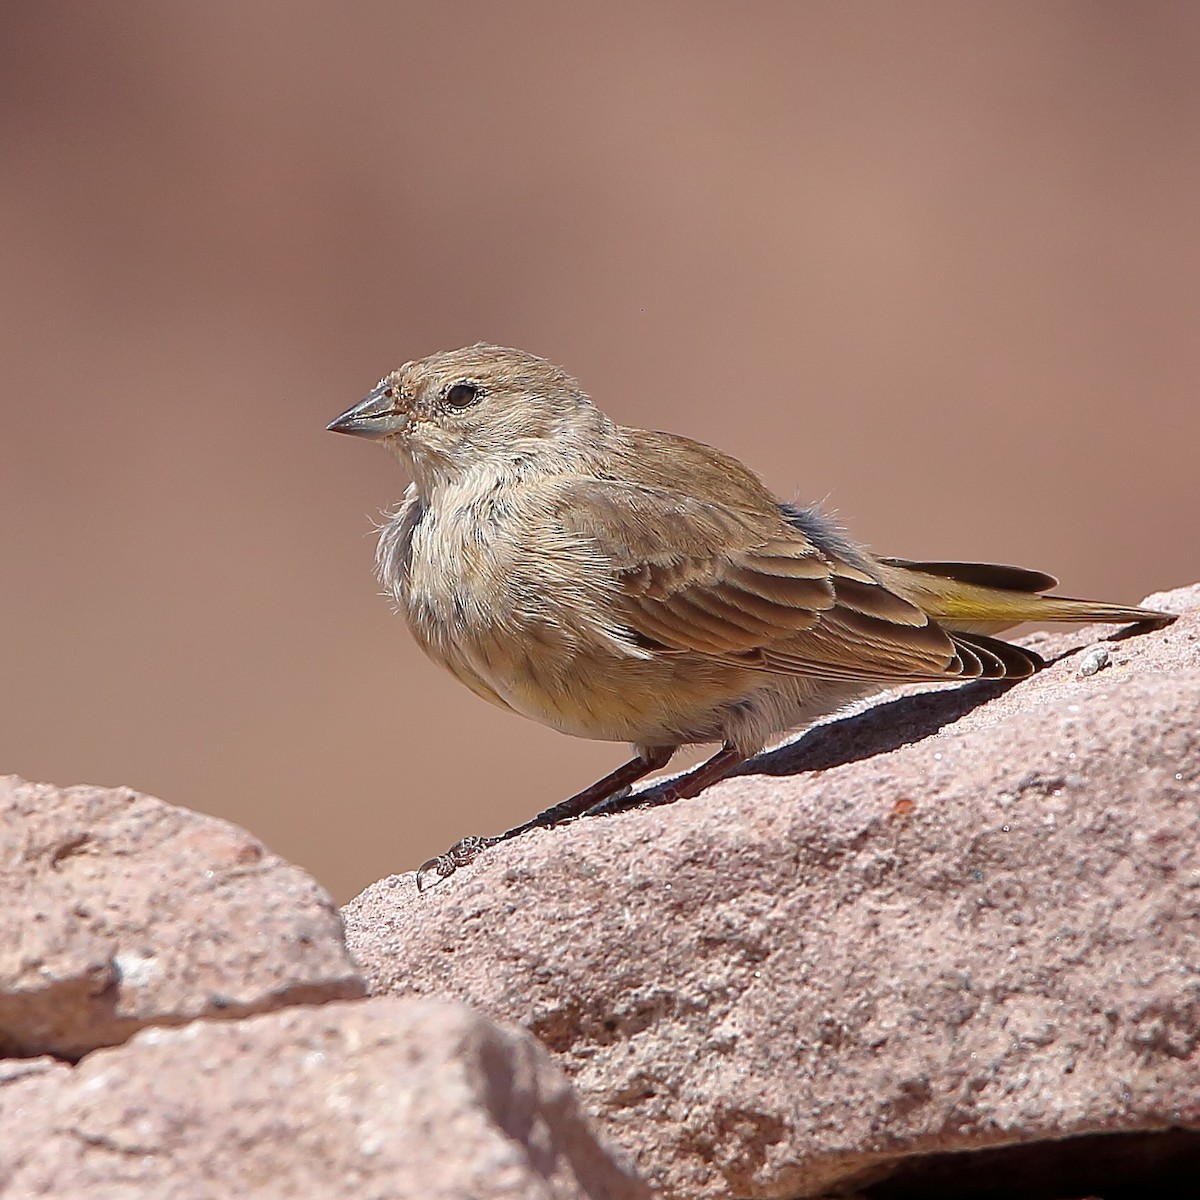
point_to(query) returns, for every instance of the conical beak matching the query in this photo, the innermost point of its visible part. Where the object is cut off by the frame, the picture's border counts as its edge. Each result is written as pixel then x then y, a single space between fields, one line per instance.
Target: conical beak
pixel 374 417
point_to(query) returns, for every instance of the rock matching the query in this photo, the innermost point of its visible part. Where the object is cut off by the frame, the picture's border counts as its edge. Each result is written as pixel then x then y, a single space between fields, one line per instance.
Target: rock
pixel 381 1099
pixel 121 911
pixel 959 919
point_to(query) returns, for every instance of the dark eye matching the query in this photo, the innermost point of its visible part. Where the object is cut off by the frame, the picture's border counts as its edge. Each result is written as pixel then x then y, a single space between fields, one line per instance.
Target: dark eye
pixel 463 395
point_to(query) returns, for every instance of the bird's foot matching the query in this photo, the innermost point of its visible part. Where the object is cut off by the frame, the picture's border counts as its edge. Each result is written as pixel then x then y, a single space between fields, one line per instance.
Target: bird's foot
pixel 464 851
pixel 610 804
pixel 628 800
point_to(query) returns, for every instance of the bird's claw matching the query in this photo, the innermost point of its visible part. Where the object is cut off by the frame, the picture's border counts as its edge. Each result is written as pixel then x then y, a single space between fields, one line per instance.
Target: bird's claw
pixel 433 871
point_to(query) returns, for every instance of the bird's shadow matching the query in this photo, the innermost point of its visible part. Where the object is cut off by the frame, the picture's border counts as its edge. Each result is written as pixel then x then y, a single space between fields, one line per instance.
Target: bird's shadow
pixel 876 730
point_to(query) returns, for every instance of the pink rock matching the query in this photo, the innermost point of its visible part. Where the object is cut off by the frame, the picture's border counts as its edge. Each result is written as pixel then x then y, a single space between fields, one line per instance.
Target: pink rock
pixel 960 919
pixel 121 911
pixel 373 1100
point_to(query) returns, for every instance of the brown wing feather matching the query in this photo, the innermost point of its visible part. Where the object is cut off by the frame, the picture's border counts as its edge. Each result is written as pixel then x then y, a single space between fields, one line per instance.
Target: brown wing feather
pixel 1015 662
pixel 742 585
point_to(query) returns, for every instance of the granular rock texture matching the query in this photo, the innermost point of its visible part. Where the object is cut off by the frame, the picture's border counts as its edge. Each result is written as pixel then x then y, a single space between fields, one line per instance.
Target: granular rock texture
pixel 960 919
pixel 948 945
pixel 375 1100
pixel 120 911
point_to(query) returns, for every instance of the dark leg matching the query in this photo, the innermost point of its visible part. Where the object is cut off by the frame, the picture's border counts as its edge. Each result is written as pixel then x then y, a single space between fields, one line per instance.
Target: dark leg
pixel 683 788
pixel 469 848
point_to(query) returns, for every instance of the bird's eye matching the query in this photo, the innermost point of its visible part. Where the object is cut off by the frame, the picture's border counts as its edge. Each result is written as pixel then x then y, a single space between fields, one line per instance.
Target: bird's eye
pixel 463 395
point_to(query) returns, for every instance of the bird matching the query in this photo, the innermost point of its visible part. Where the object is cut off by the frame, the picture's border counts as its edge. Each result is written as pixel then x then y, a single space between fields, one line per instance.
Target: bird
pixel 628 585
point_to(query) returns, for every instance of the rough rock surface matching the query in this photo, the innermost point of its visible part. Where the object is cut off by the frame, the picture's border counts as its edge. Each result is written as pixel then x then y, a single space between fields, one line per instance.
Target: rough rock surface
pixel 381 1099
pixel 959 919
pixel 121 911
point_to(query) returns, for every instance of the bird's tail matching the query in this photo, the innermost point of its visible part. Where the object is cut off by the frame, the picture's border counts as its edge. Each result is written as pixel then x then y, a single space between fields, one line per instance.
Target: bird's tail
pixel 986 598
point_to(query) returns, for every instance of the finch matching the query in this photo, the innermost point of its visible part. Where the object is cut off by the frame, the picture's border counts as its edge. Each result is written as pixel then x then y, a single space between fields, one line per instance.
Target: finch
pixel 633 586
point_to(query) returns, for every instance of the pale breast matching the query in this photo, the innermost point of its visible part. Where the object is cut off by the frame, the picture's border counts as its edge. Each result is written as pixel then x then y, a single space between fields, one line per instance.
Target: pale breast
pixel 494 590
pixel 427 561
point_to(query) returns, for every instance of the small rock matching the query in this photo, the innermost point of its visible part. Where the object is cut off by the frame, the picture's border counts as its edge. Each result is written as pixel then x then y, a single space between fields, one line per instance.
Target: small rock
pixel 1094 660
pixel 121 911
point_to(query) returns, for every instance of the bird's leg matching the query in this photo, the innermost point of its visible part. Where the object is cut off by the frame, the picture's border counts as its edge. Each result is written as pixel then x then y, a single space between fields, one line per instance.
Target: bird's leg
pixel 683 788
pixel 469 848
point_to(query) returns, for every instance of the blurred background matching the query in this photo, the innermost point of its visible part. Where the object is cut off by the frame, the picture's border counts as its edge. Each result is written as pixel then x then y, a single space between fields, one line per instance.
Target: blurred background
pixel 937 263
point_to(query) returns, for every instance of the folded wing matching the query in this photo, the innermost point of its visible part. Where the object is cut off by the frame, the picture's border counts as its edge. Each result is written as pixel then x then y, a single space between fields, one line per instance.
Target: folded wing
pixel 747 587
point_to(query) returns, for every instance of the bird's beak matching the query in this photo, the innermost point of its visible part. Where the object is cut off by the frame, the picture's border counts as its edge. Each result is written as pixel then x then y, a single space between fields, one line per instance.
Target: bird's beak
pixel 375 417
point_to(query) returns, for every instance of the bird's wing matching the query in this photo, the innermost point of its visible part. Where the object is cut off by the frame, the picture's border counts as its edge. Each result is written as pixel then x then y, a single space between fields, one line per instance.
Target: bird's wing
pixel 743 585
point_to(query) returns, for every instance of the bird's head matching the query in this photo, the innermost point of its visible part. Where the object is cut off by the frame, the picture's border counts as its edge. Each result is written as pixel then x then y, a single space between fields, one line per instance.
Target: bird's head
pixel 484 406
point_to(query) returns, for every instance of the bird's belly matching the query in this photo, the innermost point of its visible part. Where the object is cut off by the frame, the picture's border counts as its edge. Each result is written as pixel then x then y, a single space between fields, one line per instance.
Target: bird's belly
pixel 539 673
pixel 578 685
pixel 607 698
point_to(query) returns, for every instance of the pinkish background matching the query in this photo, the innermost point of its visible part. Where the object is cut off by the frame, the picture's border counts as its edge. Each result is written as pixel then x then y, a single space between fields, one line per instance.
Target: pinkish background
pixel 936 262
